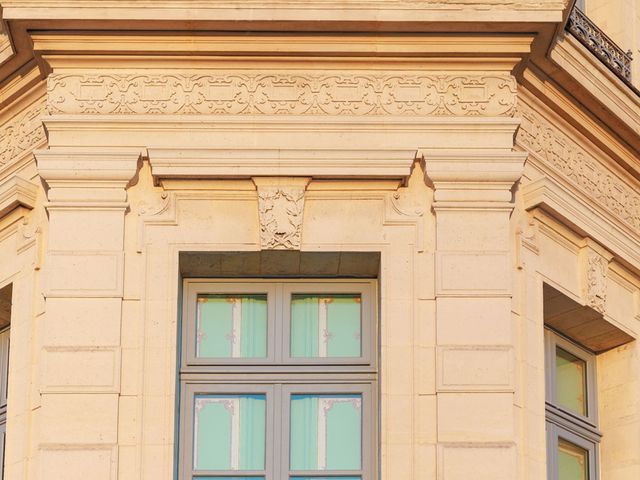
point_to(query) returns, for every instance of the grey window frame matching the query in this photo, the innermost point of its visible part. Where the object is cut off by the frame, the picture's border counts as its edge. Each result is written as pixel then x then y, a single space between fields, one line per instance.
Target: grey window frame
pixel 278 328
pixel 366 325
pixel 278 375
pixel 368 409
pixel 4 387
pixel 195 288
pixel 581 430
pixel 189 393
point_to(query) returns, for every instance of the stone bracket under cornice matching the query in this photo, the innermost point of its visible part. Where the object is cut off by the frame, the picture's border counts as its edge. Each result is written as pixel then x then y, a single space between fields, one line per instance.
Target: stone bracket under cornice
pixel 95 177
pixel 475 179
pixel 16 192
pixel 551 197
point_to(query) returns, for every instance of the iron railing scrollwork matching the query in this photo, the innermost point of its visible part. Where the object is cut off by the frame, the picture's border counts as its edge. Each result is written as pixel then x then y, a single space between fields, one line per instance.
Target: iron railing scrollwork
pixel 592 37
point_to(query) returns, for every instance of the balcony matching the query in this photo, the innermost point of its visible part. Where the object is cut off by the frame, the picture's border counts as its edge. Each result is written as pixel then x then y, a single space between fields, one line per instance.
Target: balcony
pixel 590 35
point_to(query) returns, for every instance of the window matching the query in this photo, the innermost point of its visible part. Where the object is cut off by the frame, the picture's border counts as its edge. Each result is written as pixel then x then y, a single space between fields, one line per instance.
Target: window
pixel 580 4
pixel 6 294
pixel 4 376
pixel 278 380
pixel 571 410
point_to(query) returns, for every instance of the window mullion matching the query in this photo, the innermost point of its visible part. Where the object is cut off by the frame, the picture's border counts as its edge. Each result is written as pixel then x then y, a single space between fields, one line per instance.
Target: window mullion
pixel 278 325
pixel 278 411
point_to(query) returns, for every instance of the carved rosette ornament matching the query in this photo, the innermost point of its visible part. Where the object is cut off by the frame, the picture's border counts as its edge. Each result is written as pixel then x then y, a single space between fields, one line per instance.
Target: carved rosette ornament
pixel 595 281
pixel 280 209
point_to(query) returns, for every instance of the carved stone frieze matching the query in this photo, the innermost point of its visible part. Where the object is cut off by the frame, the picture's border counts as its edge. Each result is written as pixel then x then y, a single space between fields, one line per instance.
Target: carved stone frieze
pixel 567 158
pixel 280 209
pixel 21 134
pixel 236 93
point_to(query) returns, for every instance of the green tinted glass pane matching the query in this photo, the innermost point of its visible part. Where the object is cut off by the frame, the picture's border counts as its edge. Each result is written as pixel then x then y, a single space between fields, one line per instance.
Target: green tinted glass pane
pixel 326 325
pixel 228 478
pixel 571 382
pixel 231 326
pixel 573 461
pixel 229 432
pixel 326 432
pixel 325 478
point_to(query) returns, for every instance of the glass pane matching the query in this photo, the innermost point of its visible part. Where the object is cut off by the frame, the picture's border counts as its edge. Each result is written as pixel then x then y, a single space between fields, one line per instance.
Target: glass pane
pixel 229 432
pixel 326 432
pixel 231 326
pixel 228 478
pixel 571 382
pixel 573 461
pixel 325 478
pixel 325 325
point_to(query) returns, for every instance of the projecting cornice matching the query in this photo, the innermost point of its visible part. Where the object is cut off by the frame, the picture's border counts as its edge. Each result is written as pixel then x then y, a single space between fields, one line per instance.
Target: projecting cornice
pixel 16 192
pixel 574 210
pixel 287 10
pixel 312 162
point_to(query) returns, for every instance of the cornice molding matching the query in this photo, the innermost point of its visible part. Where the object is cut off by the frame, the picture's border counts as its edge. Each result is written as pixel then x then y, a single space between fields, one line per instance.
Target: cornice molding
pixel 573 210
pixel 311 162
pixel 473 179
pixel 283 93
pixel 84 164
pixel 269 132
pixel 87 177
pixel 592 75
pixel 364 10
pixel 565 157
pixel 466 46
pixel 16 192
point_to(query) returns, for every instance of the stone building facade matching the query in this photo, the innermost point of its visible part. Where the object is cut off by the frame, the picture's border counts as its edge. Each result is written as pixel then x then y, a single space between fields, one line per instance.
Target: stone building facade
pixel 462 174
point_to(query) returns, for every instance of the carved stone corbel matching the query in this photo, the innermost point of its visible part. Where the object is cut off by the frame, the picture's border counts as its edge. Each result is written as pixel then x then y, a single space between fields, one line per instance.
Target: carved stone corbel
pixel 280 209
pixel 595 266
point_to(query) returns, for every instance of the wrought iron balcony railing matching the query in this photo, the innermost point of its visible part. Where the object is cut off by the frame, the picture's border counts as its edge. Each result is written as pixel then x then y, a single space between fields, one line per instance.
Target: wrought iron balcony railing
pixel 590 35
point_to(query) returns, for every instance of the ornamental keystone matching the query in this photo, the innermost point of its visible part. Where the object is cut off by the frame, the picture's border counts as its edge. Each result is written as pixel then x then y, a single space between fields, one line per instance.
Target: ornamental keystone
pixel 280 209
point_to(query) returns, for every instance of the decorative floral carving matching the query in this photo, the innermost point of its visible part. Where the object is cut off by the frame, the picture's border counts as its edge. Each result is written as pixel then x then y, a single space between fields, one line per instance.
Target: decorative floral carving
pixel 21 134
pixel 150 209
pixel 562 154
pixel 596 281
pixel 283 93
pixel 280 210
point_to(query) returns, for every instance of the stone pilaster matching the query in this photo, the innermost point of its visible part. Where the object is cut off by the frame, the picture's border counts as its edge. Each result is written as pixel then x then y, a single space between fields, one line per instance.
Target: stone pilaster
pixel 80 368
pixel 475 384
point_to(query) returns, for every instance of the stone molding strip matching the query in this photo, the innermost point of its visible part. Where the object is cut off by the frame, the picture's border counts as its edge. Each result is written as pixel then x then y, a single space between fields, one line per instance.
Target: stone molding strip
pixel 311 162
pixel 16 192
pixel 283 93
